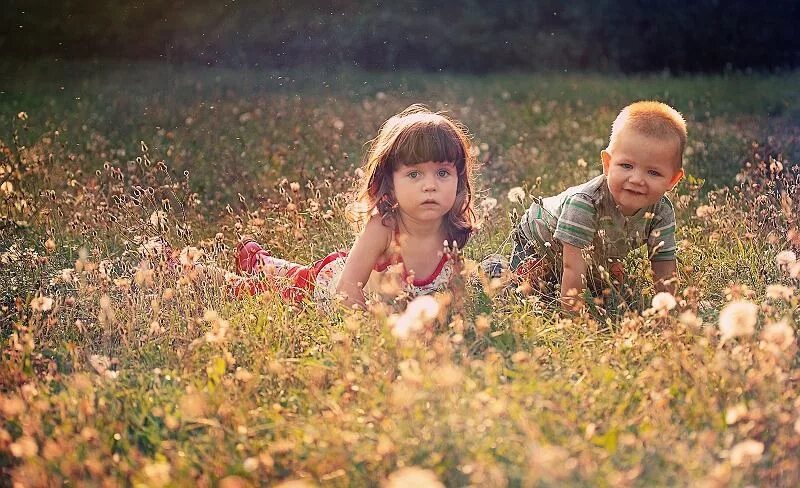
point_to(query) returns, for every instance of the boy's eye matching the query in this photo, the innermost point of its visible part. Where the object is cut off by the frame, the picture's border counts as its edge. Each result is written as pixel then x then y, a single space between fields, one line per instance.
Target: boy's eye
pixel 626 165
pixel 654 173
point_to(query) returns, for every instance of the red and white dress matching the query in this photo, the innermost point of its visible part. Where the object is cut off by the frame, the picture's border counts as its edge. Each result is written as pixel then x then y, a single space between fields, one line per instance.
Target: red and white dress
pixel 320 280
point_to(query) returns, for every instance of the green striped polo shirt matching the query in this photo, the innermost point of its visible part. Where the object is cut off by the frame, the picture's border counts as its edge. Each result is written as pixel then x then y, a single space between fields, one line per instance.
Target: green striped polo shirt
pixel 587 217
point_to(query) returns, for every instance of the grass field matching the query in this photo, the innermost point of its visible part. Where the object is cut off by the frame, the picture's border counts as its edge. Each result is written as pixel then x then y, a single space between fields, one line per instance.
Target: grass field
pixel 114 373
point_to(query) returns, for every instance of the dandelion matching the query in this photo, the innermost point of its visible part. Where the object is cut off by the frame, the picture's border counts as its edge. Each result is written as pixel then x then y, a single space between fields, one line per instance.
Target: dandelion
pixel 516 195
pixel 413 476
pixel 42 304
pixel 735 413
pixel 779 334
pixel 664 301
pixel 7 187
pixel 157 474
pixel 488 204
pixel 786 258
pixel 419 312
pixel 779 292
pixel 189 256
pixel 746 452
pixel 738 319
pixel 704 211
pixel 24 447
pixel 102 364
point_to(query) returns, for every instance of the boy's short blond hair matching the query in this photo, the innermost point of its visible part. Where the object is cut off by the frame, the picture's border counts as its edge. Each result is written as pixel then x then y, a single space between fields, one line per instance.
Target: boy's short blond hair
pixel 652 119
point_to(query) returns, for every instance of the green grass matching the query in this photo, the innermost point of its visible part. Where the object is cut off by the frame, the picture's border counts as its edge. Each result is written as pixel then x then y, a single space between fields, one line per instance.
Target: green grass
pixel 130 379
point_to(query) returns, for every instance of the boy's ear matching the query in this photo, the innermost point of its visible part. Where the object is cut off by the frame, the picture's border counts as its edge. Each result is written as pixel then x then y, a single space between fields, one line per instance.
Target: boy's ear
pixel 675 179
pixel 606 157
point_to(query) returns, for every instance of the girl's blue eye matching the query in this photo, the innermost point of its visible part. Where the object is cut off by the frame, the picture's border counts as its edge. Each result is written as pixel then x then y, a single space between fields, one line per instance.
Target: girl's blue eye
pixel 413 174
pixel 443 173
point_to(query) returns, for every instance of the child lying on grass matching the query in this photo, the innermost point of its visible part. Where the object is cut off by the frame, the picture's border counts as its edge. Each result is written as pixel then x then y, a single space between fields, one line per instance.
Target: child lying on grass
pixel 415 196
pixel 567 238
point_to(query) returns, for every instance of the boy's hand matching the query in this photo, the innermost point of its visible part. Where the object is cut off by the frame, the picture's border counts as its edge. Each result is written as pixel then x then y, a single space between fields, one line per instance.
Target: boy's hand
pixel 665 275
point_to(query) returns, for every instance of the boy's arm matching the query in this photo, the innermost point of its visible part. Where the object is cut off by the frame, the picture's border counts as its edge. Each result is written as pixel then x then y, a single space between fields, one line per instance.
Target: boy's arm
pixel 572 278
pixel 664 275
pixel 361 259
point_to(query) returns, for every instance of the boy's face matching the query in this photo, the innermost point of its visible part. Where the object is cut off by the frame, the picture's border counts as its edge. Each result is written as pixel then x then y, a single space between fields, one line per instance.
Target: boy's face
pixel 641 169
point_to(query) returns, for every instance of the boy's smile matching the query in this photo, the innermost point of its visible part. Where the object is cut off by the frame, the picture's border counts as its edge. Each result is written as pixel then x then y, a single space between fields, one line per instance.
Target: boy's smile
pixel 640 169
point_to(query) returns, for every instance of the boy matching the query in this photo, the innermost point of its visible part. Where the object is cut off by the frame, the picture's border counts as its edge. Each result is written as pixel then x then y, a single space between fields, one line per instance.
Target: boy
pixel 612 214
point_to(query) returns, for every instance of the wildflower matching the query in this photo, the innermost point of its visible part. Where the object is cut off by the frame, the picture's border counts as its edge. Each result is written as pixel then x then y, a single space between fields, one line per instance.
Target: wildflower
pixel 22 116
pixel 779 292
pixel 704 211
pixel 785 258
pixel 102 364
pixel 746 452
pixel 7 187
pixel 516 195
pixel 488 204
pixel 157 474
pixel 735 413
pixel 420 311
pixel 42 304
pixel 294 186
pixel 338 124
pixel 780 334
pixel 24 447
pixel 158 219
pixel 664 301
pixel 413 476
pixel 737 319
pixel 190 255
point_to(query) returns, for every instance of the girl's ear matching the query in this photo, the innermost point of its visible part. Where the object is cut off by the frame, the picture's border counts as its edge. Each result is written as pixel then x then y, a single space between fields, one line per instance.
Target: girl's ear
pixel 606 157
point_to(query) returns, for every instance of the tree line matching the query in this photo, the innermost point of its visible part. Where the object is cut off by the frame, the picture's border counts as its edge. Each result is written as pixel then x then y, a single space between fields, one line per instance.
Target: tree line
pixel 470 35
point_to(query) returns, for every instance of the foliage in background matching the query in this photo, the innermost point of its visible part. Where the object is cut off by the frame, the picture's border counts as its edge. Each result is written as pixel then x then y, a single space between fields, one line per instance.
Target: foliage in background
pixel 474 36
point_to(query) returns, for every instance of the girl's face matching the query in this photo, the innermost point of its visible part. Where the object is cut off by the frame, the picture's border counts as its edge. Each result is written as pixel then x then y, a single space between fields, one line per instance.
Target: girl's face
pixel 425 191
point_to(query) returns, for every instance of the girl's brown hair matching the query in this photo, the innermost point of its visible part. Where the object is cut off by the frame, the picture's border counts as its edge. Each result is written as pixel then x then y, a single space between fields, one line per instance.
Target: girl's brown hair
pixel 417 135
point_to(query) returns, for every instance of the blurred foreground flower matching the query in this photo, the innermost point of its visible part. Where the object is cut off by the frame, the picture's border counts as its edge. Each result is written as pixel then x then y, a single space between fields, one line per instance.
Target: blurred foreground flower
pixel 413 477
pixel 664 301
pixel 746 452
pixel 419 312
pixel 102 364
pixel 738 319
pixel 42 304
pixel 779 334
pixel 785 258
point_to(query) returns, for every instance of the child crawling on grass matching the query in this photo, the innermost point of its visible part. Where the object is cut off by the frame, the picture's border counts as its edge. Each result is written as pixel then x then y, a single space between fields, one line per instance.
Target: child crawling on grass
pixel 415 202
pixel 570 236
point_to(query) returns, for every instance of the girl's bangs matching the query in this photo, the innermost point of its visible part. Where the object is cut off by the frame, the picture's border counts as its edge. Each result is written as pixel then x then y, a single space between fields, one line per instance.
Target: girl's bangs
pixel 431 142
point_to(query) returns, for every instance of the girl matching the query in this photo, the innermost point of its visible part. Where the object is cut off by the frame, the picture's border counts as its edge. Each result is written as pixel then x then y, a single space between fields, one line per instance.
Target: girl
pixel 415 194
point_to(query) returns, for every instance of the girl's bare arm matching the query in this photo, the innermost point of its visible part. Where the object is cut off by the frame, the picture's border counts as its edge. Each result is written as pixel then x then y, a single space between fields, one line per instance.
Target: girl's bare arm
pixel 368 248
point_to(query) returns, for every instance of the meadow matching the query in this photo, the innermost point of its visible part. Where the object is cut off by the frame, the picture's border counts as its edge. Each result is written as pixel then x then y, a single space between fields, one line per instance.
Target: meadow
pixel 119 371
